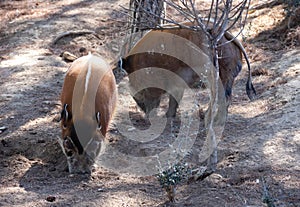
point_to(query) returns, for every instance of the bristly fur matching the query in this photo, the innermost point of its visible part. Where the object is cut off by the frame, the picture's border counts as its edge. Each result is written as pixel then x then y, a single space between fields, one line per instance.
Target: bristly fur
pixel 89 77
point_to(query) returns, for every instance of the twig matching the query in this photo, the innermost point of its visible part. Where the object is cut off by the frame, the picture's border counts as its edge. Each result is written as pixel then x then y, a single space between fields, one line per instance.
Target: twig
pixel 180 10
pixel 210 12
pixel 200 24
pixel 242 9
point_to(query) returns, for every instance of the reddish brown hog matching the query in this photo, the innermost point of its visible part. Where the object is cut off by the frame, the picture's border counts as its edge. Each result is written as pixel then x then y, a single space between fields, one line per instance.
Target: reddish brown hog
pixel 230 64
pixel 88 97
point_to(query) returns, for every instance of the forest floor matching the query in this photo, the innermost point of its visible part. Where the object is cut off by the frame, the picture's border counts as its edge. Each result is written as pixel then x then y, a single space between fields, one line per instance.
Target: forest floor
pixel 260 144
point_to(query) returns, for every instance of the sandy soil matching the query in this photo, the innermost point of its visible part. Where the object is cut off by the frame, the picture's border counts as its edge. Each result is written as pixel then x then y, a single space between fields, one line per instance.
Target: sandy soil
pixel 261 138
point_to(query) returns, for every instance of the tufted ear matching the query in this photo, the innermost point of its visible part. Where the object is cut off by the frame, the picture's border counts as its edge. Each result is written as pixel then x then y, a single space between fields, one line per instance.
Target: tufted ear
pixel 98 120
pixel 64 115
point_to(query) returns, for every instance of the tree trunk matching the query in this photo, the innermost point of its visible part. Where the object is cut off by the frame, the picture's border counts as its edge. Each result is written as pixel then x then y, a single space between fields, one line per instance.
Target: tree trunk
pixel 147 14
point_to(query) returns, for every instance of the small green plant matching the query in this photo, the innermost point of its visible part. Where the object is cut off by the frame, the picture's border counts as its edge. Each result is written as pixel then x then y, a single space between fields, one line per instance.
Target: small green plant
pixel 267 198
pixel 170 178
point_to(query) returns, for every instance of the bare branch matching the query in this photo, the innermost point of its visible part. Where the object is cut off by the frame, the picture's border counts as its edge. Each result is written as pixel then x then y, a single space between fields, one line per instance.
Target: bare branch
pixel 200 24
pixel 210 12
pixel 180 10
pixel 243 9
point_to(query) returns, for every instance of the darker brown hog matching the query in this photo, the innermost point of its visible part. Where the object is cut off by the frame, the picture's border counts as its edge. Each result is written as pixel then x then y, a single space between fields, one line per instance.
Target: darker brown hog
pixel 88 97
pixel 230 64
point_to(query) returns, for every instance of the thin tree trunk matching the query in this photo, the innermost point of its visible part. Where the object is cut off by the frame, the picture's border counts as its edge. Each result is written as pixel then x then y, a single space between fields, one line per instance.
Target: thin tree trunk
pixel 146 14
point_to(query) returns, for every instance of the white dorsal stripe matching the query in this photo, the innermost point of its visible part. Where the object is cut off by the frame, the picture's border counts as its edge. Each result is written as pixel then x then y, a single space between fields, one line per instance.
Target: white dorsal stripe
pixel 89 73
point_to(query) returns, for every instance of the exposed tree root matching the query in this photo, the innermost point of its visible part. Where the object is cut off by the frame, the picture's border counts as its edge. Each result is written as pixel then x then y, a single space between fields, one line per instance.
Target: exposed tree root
pixel 73 33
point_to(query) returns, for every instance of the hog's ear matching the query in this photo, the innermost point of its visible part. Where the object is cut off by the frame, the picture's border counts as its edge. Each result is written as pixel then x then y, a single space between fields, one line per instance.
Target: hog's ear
pixel 124 65
pixel 98 116
pixel 64 115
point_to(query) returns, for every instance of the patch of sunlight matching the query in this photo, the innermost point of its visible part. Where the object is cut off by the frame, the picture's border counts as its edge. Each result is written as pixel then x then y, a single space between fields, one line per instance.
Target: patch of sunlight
pixel 27 71
pixel 265 19
pixel 46 121
pixel 40 121
pixel 33 123
pixel 120 199
pixel 17 196
pixel 12 190
pixel 25 57
pixel 289 63
pixel 248 109
pixel 283 148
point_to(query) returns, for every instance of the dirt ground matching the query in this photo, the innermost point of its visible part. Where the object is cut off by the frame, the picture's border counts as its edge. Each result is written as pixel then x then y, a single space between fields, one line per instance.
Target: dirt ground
pixel 261 139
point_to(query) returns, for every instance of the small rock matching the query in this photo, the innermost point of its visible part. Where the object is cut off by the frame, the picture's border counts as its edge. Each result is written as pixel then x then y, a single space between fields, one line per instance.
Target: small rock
pixel 45 110
pixel 33 133
pixel 115 49
pixel 46 102
pixel 2 129
pixel 82 50
pixel 143 190
pixel 50 199
pixel 131 129
pixel 68 56
pixel 47 53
